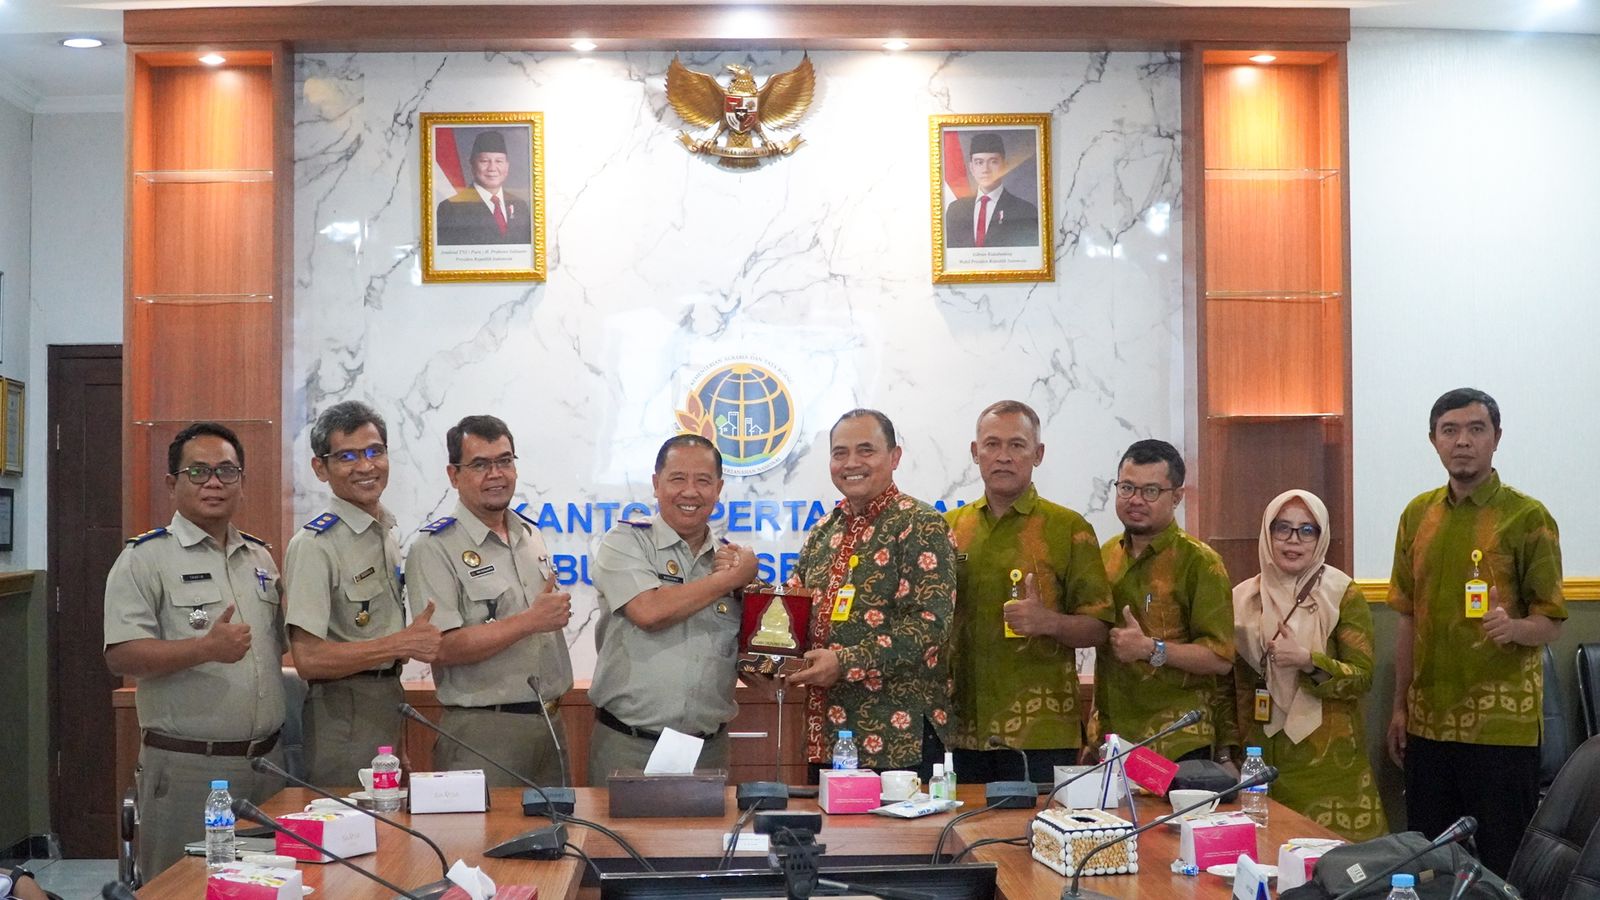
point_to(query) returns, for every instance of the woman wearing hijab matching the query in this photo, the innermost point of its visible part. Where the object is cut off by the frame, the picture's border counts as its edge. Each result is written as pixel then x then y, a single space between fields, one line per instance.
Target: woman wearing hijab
pixel 1304 636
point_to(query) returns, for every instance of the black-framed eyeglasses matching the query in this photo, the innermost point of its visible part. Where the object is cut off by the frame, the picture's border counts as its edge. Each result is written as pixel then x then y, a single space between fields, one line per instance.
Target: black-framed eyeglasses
pixel 200 473
pixel 481 467
pixel 1308 532
pixel 1150 492
pixel 348 457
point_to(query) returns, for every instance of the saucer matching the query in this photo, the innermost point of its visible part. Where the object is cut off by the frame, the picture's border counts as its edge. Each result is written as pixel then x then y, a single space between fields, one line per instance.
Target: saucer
pixel 1226 871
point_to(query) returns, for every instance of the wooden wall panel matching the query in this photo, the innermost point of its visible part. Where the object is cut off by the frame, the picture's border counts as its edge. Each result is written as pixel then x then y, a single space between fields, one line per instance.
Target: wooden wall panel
pixel 211 118
pixel 1274 357
pixel 208 238
pixel 1270 234
pixel 1272 114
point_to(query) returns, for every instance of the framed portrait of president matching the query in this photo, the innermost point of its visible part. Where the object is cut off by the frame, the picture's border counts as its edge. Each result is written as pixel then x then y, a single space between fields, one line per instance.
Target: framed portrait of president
pixel 483 216
pixel 990 178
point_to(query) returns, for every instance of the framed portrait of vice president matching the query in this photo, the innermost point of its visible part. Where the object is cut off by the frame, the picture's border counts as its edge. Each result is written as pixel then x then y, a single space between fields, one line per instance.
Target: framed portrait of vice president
pixel 483 214
pixel 990 179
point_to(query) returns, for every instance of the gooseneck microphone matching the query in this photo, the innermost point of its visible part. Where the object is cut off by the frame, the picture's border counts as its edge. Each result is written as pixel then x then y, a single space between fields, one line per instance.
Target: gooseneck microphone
pixel 539 841
pixel 995 743
pixel 244 809
pixel 429 891
pixel 1460 830
pixel 561 752
pixel 1265 776
pixel 1183 721
pixel 116 890
pixel 1466 878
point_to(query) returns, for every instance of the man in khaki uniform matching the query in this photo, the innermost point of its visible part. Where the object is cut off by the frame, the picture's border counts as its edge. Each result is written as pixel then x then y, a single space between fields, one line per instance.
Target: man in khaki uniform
pixel 347 620
pixel 669 619
pixel 193 613
pixel 501 613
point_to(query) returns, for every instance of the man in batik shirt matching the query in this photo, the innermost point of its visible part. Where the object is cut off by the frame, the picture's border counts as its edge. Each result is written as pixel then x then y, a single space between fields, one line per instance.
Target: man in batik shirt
pixel 883 567
pixel 1032 588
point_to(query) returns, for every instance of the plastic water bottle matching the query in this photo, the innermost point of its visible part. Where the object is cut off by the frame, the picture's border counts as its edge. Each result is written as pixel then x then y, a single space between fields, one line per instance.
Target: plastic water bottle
pixel 939 784
pixel 845 754
pixel 219 826
pixel 950 773
pixel 1254 800
pixel 386 780
pixel 1402 887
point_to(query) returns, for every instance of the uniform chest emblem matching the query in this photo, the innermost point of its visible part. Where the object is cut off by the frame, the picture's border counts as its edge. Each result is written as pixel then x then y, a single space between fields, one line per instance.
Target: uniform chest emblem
pixel 199 618
pixel 471 558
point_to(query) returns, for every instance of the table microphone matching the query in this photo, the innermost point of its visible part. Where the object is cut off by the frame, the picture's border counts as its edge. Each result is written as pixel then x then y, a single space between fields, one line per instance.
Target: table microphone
pixel 1012 794
pixel 561 752
pixel 1461 829
pixel 1466 878
pixel 1265 776
pixel 557 801
pixel 116 890
pixel 244 809
pixel 428 891
pixel 1183 721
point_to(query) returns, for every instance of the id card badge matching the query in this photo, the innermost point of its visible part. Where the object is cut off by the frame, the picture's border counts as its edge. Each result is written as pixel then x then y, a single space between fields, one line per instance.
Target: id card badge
pixel 1263 705
pixel 1016 577
pixel 1477 592
pixel 843 600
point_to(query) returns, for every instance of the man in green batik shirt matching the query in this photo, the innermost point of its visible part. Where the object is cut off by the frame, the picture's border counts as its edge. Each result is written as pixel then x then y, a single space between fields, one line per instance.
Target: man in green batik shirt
pixel 1469 683
pixel 1172 644
pixel 883 567
pixel 1030 589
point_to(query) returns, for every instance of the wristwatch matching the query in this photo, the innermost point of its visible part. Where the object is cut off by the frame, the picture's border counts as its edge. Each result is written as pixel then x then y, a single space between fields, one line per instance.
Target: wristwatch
pixel 1158 656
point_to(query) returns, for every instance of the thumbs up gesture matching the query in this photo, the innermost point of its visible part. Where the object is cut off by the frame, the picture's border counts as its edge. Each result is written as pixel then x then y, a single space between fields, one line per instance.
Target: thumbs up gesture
pixel 230 640
pixel 1129 643
pixel 1028 615
pixel 421 639
pixel 1497 622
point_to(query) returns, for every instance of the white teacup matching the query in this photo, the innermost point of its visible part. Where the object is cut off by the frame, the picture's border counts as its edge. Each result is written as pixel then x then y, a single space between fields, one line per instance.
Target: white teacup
pixel 899 785
pixel 366 779
pixel 1186 798
pixel 324 804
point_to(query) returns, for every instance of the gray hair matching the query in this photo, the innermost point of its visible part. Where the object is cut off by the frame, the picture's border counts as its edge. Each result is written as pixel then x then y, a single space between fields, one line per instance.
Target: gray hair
pixel 343 418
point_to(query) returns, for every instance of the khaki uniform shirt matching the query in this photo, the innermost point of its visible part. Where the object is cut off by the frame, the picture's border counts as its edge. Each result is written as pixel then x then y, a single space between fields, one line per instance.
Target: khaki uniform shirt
pixel 167 581
pixel 682 676
pixel 1179 591
pixel 471 574
pixel 339 564
pixel 1464 686
pixel 1022 690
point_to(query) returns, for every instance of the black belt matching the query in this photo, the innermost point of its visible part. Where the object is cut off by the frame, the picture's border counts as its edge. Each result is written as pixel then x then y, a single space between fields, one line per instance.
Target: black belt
pixel 211 748
pixel 616 724
pixel 369 675
pixel 525 708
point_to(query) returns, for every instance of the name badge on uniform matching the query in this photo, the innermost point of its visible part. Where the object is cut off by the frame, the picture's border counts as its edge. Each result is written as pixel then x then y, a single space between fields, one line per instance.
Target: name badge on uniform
pixel 196 576
pixel 365 575
pixel 1477 595
pixel 670 579
pixel 846 597
pixel 479 573
pixel 1263 705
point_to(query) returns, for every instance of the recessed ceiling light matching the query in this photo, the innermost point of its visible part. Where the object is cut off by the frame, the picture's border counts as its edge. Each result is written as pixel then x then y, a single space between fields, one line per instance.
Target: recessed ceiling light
pixel 212 59
pixel 583 45
pixel 83 43
pixel 1263 58
pixel 895 45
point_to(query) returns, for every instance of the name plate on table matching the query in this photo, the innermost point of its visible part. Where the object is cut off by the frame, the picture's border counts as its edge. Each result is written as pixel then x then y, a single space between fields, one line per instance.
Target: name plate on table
pixel 776 621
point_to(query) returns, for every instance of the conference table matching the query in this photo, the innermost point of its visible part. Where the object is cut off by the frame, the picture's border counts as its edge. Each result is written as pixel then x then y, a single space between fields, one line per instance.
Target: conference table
pixel 695 843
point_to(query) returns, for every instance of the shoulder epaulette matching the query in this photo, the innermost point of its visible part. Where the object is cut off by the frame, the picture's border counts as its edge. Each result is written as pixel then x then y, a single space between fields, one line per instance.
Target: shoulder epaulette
pixel 438 525
pixel 525 517
pixel 152 533
pixel 253 539
pixel 321 523
pixel 638 523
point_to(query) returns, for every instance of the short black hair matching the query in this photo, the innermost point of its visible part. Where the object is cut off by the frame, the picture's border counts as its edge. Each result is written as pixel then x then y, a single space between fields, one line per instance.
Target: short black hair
pixel 883 422
pixel 1012 407
pixel 343 418
pixel 487 428
pixel 1459 398
pixel 687 440
pixel 1150 450
pixel 199 429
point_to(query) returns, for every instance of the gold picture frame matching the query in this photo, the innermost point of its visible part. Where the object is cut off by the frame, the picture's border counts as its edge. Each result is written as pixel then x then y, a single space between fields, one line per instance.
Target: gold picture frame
pixel 1010 152
pixel 483 197
pixel 12 418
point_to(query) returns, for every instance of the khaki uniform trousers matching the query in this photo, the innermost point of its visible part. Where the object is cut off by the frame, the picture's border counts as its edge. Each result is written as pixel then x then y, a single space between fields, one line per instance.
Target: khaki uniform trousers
pixel 610 750
pixel 346 721
pixel 518 741
pixel 172 790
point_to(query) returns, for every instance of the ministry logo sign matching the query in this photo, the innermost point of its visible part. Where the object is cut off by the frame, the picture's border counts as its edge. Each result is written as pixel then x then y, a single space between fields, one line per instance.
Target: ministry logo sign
pixel 743 405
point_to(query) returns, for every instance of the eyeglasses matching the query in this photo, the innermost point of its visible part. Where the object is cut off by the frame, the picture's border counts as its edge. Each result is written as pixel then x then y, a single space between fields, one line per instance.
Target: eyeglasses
pixel 200 473
pixel 348 457
pixel 481 467
pixel 1281 531
pixel 1150 492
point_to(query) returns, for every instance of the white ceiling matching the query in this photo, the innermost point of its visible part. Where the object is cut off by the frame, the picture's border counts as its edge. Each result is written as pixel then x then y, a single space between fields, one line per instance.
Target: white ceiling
pixel 38 74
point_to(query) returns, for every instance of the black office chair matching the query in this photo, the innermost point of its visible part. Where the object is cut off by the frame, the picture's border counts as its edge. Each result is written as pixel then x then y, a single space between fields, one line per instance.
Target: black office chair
pixel 1555 745
pixel 1584 882
pixel 128 832
pixel 1589 687
pixel 1560 828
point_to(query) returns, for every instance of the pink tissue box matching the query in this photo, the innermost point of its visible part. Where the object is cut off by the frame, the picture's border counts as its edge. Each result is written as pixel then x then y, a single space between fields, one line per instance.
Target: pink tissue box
pixel 345 832
pixel 241 881
pixel 844 791
pixel 1217 839
pixel 1297 859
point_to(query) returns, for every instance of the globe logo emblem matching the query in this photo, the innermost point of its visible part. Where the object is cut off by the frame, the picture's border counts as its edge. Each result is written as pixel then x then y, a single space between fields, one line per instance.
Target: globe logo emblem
pixel 744 407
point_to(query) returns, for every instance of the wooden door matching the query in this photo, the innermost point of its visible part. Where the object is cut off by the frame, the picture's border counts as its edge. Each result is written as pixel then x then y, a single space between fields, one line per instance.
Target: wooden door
pixel 85 533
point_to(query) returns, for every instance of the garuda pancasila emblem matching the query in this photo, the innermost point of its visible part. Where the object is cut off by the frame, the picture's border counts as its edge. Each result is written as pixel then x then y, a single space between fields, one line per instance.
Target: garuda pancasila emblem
pixel 740 111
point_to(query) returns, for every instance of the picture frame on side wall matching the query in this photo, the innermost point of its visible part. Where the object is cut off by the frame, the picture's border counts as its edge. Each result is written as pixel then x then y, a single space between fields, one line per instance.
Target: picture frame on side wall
pixel 11 425
pixel 990 180
pixel 483 197
pixel 8 505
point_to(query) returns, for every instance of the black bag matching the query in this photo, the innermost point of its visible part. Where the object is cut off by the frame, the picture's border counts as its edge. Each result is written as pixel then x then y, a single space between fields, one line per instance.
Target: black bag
pixel 1204 775
pixel 1435 871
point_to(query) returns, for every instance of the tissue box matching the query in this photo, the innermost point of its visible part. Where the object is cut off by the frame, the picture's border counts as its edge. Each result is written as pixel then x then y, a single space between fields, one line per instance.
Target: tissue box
pixel 447 792
pixel 1061 838
pixel 501 892
pixel 637 795
pixel 1092 792
pixel 1217 839
pixel 241 881
pixel 343 831
pixel 1297 858
pixel 844 791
